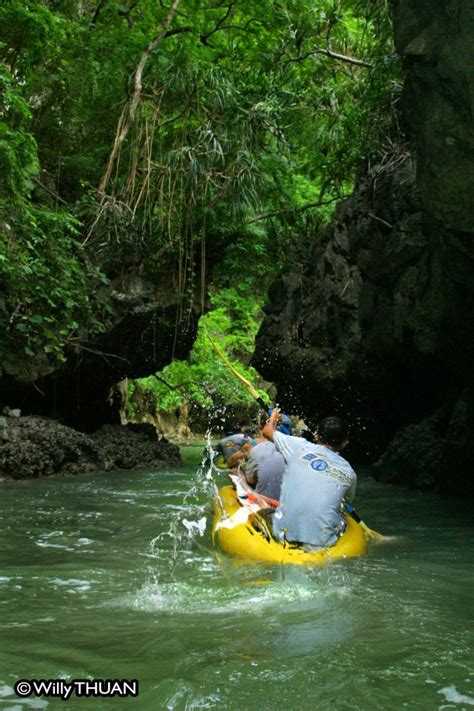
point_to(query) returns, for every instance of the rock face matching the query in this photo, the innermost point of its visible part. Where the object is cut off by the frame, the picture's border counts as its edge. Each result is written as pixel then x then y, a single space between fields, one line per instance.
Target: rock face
pixel 34 446
pixel 436 453
pixel 141 337
pixel 435 40
pixel 134 446
pixel 373 319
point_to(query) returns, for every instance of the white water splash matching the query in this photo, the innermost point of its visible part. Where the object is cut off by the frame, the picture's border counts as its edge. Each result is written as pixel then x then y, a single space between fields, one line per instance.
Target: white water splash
pixel 195 526
pixel 185 598
pixel 450 693
pixel 201 486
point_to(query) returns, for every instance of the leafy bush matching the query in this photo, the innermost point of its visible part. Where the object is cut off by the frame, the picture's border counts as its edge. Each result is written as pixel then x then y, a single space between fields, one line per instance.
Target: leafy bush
pixel 203 381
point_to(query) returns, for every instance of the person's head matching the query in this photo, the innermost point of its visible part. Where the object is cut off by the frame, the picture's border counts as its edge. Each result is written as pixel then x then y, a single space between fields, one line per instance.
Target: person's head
pixel 285 424
pixel 332 431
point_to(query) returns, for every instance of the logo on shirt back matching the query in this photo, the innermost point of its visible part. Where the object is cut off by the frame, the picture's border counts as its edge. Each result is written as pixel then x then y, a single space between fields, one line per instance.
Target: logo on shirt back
pixel 320 465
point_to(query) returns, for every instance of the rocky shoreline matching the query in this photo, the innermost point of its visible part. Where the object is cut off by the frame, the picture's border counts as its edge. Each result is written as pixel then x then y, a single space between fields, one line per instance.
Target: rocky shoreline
pixel 32 447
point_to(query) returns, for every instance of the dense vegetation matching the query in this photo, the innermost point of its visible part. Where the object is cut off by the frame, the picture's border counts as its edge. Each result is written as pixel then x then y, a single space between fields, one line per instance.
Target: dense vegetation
pixel 205 138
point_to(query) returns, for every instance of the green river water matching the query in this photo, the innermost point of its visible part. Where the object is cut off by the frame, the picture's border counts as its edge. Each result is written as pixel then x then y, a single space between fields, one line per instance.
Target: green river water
pixel 99 578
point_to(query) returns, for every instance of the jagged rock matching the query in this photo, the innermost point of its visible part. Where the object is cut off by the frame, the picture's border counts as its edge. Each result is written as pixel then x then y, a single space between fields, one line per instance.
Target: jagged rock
pixel 437 453
pixel 134 446
pixel 8 412
pixel 3 429
pixel 36 446
pixel 375 324
pixel 415 456
pixel 40 447
pixel 435 39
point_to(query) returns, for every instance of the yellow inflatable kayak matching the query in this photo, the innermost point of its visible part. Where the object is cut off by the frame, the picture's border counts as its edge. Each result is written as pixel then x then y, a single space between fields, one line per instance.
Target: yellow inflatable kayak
pixel 243 533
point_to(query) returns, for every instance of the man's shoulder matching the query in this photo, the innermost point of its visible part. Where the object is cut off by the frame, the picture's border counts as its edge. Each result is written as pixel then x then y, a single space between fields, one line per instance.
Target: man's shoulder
pixel 288 443
pixel 344 464
pixel 260 446
pixel 237 438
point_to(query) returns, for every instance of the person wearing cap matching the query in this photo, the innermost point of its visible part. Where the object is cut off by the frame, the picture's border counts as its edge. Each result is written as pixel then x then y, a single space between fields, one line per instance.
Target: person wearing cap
pixel 230 446
pixel 316 482
pixel 262 465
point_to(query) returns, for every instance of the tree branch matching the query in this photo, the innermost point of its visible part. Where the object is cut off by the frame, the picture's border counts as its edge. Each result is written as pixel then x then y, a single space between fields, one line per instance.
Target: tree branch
pixel 240 28
pixel 183 386
pixel 126 13
pixel 124 125
pixel 379 219
pixel 328 53
pixel 318 203
pixel 97 12
pixel 218 25
pixel 48 190
pixel 165 382
pixel 177 31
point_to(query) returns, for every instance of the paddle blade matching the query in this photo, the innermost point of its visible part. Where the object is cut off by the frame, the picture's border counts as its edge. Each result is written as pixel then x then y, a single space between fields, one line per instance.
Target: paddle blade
pixel 371 534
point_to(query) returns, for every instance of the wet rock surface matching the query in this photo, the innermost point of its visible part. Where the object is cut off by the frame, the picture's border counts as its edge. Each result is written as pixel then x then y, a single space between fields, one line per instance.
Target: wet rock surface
pixel 32 447
pixel 374 324
pixel 134 446
pixel 436 453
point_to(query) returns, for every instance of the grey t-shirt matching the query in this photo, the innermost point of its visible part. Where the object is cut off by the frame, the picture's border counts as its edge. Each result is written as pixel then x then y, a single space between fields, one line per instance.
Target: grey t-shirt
pixel 264 469
pixel 315 483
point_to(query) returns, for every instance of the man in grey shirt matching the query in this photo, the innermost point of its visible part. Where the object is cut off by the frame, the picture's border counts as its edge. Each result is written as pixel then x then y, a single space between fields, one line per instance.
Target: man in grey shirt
pixel 316 482
pixel 264 469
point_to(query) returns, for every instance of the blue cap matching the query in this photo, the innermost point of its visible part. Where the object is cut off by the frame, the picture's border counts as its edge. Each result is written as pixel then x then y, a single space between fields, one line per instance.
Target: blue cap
pixel 285 424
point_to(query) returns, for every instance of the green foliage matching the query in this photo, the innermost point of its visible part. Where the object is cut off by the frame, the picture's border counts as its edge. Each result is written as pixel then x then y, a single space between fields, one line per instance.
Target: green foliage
pixel 46 277
pixel 18 150
pixel 204 381
pixel 250 123
pixel 46 299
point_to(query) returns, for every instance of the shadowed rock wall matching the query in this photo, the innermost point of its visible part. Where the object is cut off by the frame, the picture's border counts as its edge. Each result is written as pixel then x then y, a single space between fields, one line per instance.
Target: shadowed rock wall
pixel 143 332
pixel 436 41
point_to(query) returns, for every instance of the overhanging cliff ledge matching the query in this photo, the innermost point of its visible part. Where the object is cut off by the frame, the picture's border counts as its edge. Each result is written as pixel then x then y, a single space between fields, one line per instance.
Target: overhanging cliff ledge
pixel 143 332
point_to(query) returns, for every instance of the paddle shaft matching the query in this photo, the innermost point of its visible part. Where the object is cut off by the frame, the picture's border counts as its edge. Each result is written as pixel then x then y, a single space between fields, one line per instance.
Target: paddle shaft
pixel 253 391
pixel 255 497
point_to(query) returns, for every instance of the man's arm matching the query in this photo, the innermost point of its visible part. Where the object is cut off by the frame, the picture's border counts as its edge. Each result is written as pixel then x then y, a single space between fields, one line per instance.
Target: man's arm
pixel 271 425
pixel 287 445
pixel 240 455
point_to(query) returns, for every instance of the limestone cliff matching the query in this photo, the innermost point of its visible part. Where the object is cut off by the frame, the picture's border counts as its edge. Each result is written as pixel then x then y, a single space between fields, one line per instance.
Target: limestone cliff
pixel 436 40
pixel 373 317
